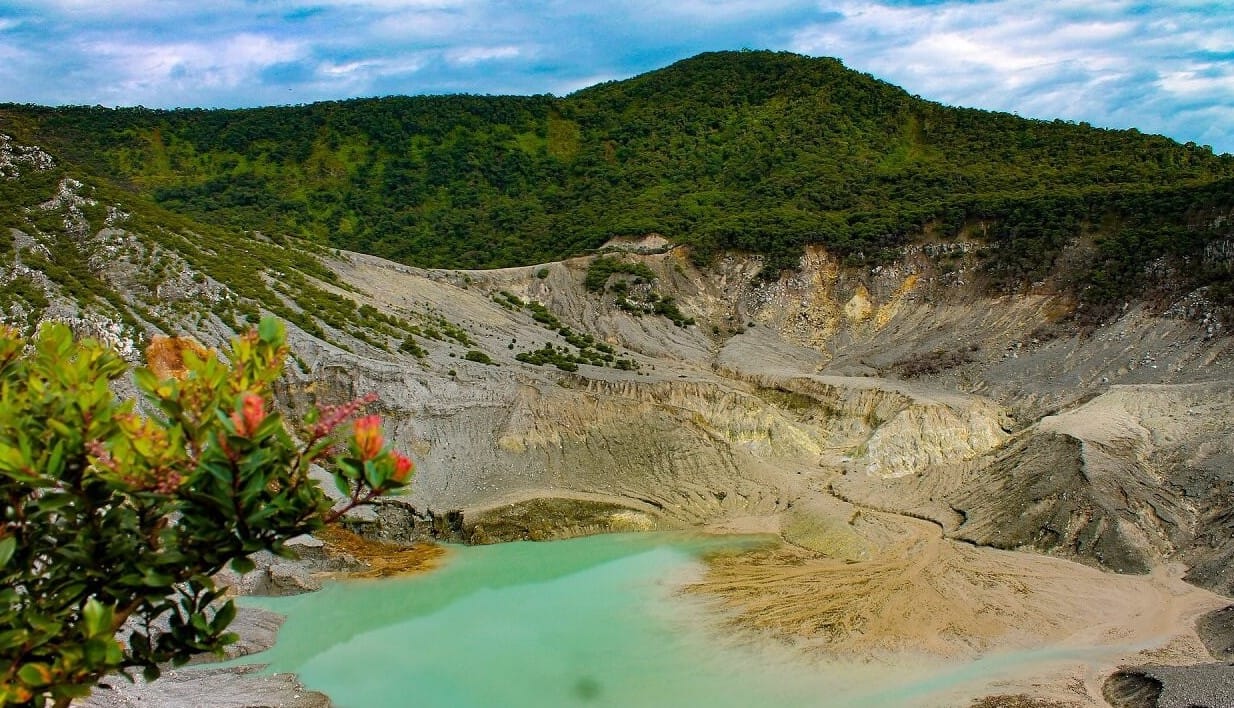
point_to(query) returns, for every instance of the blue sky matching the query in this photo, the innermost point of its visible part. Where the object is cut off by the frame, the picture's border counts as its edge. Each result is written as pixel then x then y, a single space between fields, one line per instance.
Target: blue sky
pixel 1160 67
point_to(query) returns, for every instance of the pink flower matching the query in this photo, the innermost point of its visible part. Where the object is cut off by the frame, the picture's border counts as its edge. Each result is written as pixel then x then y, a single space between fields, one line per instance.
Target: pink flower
pixel 403 467
pixel 251 415
pixel 332 416
pixel 368 438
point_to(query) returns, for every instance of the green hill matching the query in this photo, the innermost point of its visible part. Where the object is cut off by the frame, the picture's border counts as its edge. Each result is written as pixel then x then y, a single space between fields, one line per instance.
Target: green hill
pixel 756 151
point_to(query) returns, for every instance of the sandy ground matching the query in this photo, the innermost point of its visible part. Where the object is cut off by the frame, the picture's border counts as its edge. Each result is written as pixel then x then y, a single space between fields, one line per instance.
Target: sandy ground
pixel 1070 624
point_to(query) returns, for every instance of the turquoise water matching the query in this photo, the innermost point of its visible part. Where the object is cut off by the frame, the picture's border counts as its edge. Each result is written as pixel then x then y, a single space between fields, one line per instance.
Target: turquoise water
pixel 589 622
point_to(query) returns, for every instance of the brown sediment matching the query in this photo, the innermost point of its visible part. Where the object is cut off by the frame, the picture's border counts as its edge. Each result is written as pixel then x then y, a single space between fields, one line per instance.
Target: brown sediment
pixel 1020 701
pixel 927 593
pixel 165 355
pixel 381 559
pixel 920 593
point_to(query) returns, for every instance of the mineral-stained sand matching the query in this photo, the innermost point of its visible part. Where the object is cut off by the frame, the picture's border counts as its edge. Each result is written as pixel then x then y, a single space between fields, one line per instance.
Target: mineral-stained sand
pixel 1065 625
pixel 376 558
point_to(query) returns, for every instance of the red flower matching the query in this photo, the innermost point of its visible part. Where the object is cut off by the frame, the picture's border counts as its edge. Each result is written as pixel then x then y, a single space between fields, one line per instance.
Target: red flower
pixel 368 437
pixel 403 467
pixel 253 412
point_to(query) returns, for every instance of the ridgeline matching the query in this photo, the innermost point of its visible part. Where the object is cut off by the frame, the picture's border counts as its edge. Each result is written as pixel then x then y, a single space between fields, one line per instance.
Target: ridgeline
pixel 751 151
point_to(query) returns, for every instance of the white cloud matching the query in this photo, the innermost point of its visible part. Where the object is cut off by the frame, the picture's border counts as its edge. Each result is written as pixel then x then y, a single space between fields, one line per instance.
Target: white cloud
pixel 392 5
pixel 1198 81
pixel 408 64
pixel 149 72
pixel 431 26
pixel 1079 60
pixel 717 11
pixel 339 80
pixel 91 7
pixel 473 55
pixel 351 68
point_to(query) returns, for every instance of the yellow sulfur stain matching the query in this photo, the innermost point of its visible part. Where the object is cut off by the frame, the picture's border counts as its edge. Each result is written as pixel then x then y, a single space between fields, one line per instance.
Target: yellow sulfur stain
pixel 859 307
pixel 888 310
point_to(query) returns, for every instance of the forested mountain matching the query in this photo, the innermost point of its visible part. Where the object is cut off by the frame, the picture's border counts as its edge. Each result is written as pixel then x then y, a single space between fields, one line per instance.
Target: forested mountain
pixel 755 151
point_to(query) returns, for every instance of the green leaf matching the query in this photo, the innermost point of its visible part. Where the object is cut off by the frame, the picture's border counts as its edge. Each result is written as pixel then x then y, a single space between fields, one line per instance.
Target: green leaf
pixel 11 459
pixel 55 463
pixel 71 690
pixel 349 469
pixel 8 544
pixel 98 618
pixel 271 330
pixel 199 622
pixel 115 655
pixel 224 616
pixel 12 638
pixel 43 624
pixel 96 650
pixel 155 579
pixel 340 482
pixel 374 474
pixel 139 644
pixel 53 501
pixel 242 565
pixel 35 674
pixel 146 380
pixel 59 428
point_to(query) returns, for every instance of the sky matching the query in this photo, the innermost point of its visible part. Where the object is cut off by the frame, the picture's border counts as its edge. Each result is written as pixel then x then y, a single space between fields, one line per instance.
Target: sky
pixel 1161 67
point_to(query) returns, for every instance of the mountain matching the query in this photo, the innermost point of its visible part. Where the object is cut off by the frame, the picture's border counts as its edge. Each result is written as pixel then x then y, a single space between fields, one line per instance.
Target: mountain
pixel 990 334
pixel 755 151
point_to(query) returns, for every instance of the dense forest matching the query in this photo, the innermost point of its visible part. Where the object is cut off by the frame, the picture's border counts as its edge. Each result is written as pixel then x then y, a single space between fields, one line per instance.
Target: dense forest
pixel 754 151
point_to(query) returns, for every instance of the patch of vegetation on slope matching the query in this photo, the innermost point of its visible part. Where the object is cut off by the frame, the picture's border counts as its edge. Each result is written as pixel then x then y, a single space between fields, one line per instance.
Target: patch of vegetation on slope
pixel 752 151
pixel 93 250
pixel 633 294
pixel 579 347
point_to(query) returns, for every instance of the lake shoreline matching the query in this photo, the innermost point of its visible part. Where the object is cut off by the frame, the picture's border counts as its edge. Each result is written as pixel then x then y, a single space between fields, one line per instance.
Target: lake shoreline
pixel 1053 668
pixel 1058 671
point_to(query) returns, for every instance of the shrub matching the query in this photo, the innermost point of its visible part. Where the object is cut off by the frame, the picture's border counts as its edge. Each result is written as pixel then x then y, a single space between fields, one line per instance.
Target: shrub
pixel 410 346
pixel 478 356
pixel 113 522
pixel 603 267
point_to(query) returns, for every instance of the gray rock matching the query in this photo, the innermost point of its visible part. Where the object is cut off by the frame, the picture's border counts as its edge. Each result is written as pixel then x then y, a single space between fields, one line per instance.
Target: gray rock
pixel 290 579
pixel 1216 630
pixel 240 687
pixel 199 684
pixel 1201 686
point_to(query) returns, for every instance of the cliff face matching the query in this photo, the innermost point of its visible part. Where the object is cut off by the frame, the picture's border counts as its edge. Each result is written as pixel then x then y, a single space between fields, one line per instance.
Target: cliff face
pixel 712 423
pixel 903 388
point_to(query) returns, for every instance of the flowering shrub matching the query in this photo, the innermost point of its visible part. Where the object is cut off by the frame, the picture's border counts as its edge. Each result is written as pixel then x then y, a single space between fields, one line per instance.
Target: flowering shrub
pixel 113 521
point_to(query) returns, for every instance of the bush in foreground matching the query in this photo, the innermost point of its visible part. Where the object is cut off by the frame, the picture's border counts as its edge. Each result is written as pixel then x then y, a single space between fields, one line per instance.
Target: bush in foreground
pixel 114 522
